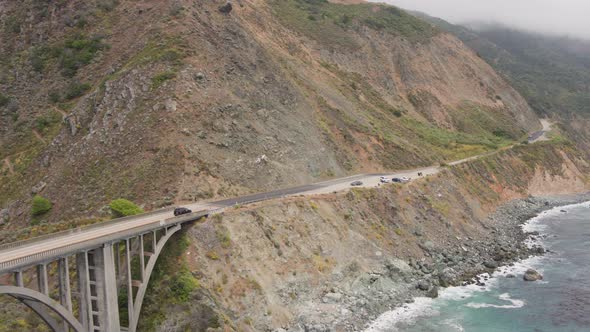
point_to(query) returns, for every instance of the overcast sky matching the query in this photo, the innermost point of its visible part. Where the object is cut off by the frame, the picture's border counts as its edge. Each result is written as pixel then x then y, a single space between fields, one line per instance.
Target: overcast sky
pixel 562 17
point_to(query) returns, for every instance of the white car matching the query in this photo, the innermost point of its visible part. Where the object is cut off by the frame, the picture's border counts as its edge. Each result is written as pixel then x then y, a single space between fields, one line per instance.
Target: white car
pixel 405 179
pixel 384 180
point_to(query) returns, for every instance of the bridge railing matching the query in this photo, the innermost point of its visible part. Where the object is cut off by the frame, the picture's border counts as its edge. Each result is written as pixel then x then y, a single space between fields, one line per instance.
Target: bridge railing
pixel 49 255
pixel 99 224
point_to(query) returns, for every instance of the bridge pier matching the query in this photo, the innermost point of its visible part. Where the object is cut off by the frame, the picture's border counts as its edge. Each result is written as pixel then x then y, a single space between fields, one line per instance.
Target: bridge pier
pixel 101 271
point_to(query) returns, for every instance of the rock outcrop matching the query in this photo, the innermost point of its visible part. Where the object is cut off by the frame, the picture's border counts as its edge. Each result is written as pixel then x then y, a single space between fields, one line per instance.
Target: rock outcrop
pixel 532 275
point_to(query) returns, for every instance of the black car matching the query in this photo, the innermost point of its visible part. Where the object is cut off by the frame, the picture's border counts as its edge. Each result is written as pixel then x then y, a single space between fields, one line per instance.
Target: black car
pixel 398 180
pixel 180 211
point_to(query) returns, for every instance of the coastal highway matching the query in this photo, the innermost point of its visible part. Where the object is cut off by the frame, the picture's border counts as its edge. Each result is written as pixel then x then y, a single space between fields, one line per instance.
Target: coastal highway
pixel 541 135
pixel 98 232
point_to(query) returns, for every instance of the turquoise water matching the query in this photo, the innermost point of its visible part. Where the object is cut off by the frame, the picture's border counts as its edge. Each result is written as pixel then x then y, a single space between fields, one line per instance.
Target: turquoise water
pixel 561 302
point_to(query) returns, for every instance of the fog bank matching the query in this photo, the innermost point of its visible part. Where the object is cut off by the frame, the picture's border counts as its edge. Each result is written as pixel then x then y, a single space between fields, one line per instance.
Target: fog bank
pixel 564 17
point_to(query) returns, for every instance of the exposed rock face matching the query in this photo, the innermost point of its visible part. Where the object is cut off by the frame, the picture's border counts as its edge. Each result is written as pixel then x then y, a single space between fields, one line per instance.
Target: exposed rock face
pixel 532 275
pixel 250 86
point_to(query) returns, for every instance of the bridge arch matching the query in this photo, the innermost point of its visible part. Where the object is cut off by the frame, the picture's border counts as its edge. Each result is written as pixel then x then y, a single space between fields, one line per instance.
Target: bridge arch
pixel 43 305
pixel 149 268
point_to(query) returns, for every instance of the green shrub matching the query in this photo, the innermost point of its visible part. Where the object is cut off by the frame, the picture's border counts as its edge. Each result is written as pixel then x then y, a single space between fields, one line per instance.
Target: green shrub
pixel 77 52
pixel 47 121
pixel 12 24
pixel 54 97
pixel 75 90
pixel 4 100
pixel 40 206
pixel 328 22
pixel 107 5
pixel 161 78
pixel 123 208
pixel 183 284
pixel 39 57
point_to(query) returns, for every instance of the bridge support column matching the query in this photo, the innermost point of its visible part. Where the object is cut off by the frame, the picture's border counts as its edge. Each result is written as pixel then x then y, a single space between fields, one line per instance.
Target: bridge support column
pixel 65 293
pixel 42 279
pixel 129 283
pixel 85 306
pixel 18 278
pixel 106 289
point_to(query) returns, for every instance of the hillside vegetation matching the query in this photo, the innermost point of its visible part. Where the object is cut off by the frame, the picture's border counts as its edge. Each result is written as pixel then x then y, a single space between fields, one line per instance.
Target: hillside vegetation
pixel 552 73
pixel 100 96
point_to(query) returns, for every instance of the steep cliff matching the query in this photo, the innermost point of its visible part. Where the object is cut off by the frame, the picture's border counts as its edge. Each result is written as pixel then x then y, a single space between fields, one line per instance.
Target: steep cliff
pixel 170 101
pixel 335 262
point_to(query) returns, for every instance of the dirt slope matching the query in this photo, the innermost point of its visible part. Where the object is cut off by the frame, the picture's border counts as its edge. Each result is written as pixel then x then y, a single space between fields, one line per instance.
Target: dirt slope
pixel 172 101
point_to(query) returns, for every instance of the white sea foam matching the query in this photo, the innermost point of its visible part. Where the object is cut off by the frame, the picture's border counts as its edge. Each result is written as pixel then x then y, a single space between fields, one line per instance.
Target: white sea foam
pixel 514 304
pixel 462 292
pixel 452 323
pixel 422 306
pixel 534 224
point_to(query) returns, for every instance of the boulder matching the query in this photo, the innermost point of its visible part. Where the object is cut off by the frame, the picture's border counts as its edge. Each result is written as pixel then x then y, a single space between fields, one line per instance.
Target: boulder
pixel 397 267
pixel 490 264
pixel 38 187
pixel 423 285
pixel 532 275
pixel 227 8
pixel 332 298
pixel 433 292
pixel 447 277
pixel 170 105
pixel 426 246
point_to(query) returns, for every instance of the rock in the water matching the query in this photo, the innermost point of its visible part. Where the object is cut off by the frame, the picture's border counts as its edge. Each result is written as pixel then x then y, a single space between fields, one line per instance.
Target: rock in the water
pixel 432 293
pixel 227 8
pixel 532 275
pixel 510 275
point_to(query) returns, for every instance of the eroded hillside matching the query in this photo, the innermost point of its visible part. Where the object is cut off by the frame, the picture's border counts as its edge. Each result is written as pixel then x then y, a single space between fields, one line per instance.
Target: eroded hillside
pixel 171 101
pixel 336 261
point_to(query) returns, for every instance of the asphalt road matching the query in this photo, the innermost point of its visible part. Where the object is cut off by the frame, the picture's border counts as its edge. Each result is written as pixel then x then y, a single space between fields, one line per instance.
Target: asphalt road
pixel 96 233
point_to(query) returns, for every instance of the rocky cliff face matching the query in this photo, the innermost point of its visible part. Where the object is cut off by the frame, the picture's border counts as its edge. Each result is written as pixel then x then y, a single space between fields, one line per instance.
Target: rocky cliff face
pixel 171 101
pixel 335 262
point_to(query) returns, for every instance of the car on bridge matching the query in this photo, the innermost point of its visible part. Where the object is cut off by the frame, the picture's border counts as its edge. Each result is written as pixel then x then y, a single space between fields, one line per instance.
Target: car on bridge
pixel 181 210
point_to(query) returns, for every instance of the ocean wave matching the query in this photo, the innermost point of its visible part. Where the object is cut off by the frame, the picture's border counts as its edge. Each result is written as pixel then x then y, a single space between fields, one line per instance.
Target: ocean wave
pixel 514 304
pixel 425 307
pixel 534 224
pixel 452 323
pixel 422 306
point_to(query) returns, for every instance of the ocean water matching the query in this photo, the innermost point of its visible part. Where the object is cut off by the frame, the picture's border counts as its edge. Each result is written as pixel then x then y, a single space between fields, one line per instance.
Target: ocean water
pixel 561 302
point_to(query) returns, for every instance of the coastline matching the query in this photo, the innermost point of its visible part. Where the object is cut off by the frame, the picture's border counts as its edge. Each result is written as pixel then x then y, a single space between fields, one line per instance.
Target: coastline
pixel 511 246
